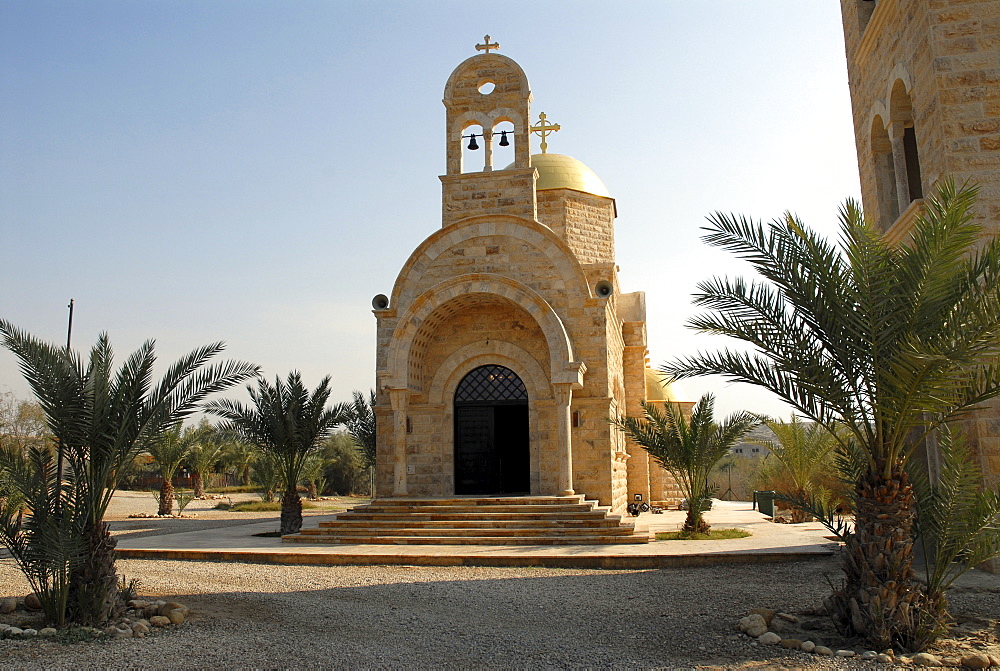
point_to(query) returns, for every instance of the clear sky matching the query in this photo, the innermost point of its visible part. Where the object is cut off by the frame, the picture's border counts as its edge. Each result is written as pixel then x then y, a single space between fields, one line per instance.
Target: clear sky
pixel 255 172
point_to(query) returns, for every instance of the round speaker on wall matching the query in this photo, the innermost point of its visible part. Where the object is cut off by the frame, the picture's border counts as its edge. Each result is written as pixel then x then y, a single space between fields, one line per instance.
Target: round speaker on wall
pixel 380 302
pixel 604 289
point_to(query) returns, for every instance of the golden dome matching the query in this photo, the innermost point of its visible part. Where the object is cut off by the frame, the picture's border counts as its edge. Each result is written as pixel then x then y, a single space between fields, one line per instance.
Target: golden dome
pixel 558 171
pixel 657 391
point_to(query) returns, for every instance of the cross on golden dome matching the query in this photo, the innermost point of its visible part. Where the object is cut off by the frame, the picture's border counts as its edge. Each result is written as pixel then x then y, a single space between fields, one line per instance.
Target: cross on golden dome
pixel 544 128
pixel 486 47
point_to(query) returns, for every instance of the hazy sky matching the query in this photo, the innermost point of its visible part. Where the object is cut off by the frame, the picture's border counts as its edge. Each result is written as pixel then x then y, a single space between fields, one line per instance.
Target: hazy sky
pixel 255 172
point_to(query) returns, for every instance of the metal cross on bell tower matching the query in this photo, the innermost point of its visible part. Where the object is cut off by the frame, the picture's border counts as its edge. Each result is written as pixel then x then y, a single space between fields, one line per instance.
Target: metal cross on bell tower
pixel 544 128
pixel 486 47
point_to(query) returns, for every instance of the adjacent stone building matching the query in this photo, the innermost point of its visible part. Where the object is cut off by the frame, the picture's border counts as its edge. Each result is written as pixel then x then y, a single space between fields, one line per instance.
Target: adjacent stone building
pixel 506 341
pixel 925 89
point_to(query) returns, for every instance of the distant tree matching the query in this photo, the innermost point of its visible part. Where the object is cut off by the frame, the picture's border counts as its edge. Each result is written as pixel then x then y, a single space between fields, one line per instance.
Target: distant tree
pixel 688 450
pixel 360 424
pixel 802 452
pixel 289 422
pixel 343 465
pixel 206 451
pixel 238 455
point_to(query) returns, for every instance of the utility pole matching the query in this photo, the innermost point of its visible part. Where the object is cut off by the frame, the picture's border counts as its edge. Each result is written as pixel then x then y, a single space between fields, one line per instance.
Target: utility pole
pixel 69 329
pixel 59 445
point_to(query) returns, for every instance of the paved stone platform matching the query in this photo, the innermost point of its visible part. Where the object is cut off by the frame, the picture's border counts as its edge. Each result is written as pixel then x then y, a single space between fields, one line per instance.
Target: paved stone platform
pixel 768 542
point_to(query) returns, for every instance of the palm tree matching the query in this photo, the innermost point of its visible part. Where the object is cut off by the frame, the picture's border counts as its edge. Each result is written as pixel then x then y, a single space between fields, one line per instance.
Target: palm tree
pixel 888 341
pixel 803 452
pixel 205 452
pixel 688 450
pixel 289 422
pixel 238 455
pixel 169 449
pixel 360 424
pixel 100 420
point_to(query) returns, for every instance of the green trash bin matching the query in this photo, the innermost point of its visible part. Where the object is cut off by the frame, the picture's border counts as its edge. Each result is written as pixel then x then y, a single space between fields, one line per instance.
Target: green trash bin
pixel 764 501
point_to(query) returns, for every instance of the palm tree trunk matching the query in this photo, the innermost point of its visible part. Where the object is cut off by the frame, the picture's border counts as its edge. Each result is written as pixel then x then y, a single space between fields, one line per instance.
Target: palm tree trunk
pixel 198 483
pixel 881 598
pixel 166 497
pixel 313 494
pixel 694 523
pixel 246 475
pixel 93 590
pixel 291 512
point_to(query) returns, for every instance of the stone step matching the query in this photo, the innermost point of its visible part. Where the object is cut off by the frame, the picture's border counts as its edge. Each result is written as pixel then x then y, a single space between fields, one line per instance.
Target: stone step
pixel 492 520
pixel 477 523
pixel 465 540
pixel 458 508
pixel 481 531
pixel 484 501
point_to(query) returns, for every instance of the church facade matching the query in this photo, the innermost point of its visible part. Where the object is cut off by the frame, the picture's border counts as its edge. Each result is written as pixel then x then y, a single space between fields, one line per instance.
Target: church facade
pixel 506 341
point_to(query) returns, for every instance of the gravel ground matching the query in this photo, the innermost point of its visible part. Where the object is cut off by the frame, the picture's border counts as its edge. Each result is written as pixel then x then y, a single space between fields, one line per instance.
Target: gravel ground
pixel 265 616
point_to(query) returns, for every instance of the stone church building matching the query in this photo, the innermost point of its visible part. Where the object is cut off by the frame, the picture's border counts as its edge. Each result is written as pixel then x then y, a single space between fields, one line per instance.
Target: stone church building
pixel 506 341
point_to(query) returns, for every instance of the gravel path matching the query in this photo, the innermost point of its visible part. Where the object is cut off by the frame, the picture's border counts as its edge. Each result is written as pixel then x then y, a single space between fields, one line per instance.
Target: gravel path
pixel 253 615
pixel 281 616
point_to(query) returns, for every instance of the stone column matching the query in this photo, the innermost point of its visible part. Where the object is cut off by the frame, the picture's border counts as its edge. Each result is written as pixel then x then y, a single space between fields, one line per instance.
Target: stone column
pixel 488 150
pixel 399 398
pixel 896 131
pixel 564 420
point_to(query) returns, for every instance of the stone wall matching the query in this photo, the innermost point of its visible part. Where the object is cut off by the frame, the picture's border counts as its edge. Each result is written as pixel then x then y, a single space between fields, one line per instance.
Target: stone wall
pixel 583 220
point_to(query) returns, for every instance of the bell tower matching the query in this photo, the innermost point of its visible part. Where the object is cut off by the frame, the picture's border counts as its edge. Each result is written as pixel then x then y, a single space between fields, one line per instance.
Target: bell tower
pixel 484 91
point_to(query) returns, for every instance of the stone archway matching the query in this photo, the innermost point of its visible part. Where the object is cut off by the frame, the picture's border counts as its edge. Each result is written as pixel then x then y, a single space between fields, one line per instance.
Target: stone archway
pixel 492 451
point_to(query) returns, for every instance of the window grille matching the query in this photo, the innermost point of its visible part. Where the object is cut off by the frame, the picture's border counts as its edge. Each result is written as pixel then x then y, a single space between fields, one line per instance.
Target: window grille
pixel 491 383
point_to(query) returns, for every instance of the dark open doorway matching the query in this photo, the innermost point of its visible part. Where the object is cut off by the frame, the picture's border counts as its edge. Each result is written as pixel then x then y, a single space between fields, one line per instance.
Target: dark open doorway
pixel 491 433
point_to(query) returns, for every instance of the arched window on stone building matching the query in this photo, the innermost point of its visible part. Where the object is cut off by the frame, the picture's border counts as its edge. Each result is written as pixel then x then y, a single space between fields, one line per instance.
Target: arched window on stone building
pixel 903 138
pixel 503 144
pixel 473 154
pixel 885 174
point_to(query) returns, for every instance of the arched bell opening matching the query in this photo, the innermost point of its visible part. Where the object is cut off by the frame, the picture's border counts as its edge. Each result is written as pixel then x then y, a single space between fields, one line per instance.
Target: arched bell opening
pixel 492 446
pixel 473 149
pixel 504 142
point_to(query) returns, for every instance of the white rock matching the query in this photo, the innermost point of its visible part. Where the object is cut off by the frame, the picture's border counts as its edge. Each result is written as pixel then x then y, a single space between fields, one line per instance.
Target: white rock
pixel 769 638
pixel 48 631
pixel 30 632
pixel 808 646
pixel 15 631
pixel 844 653
pixel 823 650
pixel 869 654
pixel 884 658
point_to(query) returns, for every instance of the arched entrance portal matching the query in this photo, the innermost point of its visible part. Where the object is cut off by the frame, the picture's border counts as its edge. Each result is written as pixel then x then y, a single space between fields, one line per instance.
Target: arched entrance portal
pixel 491 433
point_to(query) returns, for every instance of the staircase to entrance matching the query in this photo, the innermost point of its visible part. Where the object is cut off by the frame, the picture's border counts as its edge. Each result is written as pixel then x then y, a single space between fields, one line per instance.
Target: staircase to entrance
pixel 503 520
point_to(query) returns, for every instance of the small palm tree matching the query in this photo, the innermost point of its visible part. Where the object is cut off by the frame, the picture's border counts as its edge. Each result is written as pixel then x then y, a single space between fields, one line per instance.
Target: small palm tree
pixel 168 450
pixel 688 450
pixel 238 455
pixel 803 450
pixel 889 342
pixel 205 452
pixel 289 422
pixel 99 419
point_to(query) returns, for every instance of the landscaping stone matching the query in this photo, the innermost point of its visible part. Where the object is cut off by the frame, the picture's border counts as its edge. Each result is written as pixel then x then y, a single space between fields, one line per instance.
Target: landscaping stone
pixel 925 659
pixel 14 631
pixel 791 643
pixel 845 653
pixel 176 616
pixel 8 605
pixel 150 610
pixel 30 632
pixel 139 629
pixel 869 654
pixel 976 660
pixel 48 631
pixel 769 638
pixel 808 646
pixel 159 621
pixel 753 625
pixel 166 607
pixel 787 618
pixel 823 650
pixel 884 658
pixel 31 602
pixel 765 613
